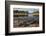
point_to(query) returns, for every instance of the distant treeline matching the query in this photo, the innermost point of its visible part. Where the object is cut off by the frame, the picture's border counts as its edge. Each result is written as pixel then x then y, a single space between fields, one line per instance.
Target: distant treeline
pixel 36 13
pixel 17 11
pixel 20 13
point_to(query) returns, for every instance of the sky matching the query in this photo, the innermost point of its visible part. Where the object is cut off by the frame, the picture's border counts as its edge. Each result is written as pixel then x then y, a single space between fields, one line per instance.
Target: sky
pixel 30 10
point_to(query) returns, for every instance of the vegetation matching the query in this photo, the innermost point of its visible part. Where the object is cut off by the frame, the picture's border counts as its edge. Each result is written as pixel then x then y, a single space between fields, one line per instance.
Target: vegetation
pixel 36 13
pixel 21 13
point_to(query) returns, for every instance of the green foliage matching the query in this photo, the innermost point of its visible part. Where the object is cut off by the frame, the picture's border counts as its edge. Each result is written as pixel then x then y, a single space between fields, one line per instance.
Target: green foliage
pixel 36 12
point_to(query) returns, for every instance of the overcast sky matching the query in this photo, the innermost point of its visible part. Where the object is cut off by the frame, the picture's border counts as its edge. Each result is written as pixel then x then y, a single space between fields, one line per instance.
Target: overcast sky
pixel 30 10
